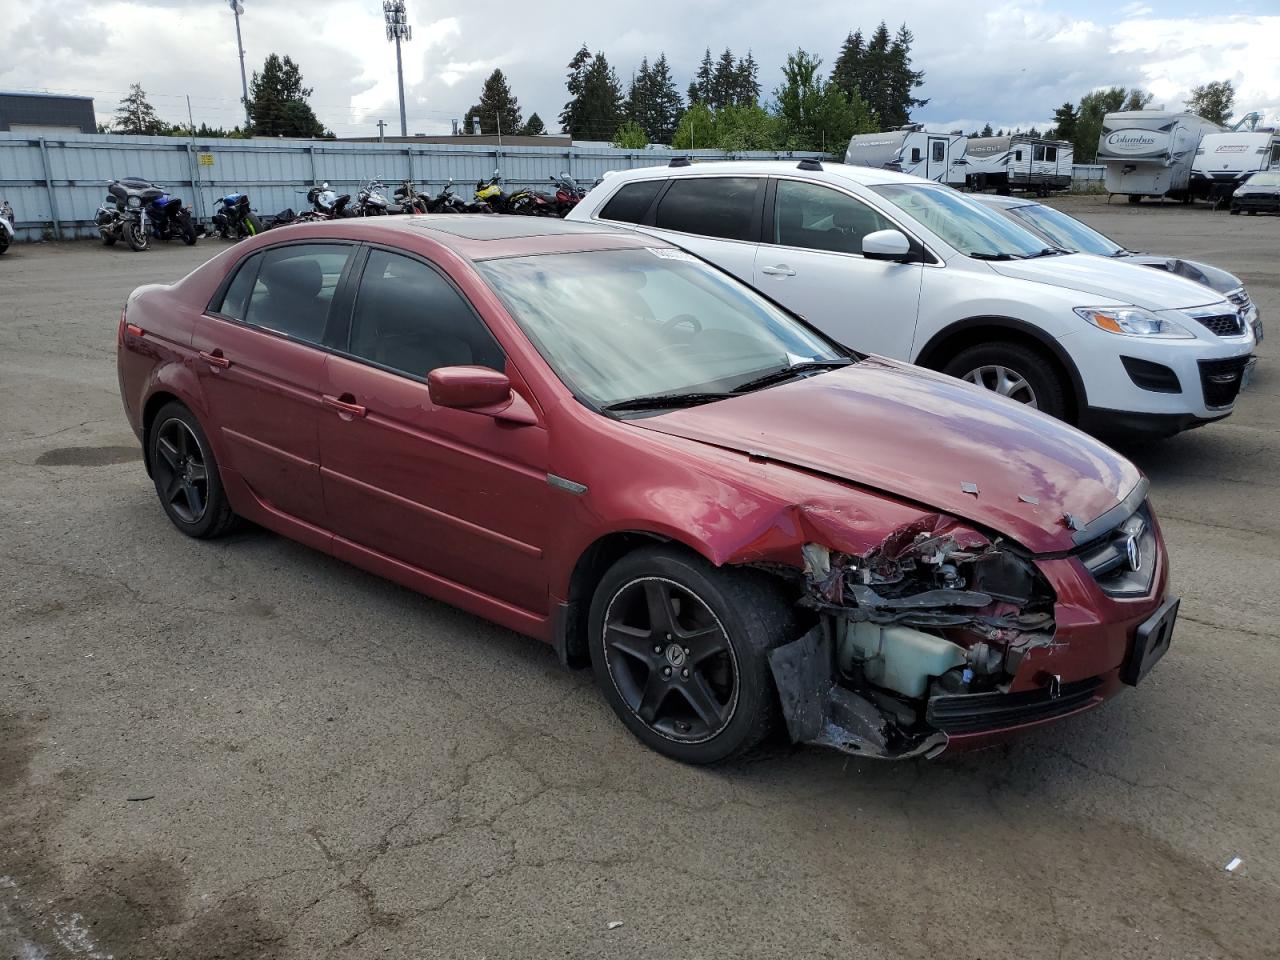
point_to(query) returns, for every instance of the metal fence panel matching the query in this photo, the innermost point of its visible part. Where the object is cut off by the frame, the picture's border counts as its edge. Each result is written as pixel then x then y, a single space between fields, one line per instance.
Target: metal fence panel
pixel 56 184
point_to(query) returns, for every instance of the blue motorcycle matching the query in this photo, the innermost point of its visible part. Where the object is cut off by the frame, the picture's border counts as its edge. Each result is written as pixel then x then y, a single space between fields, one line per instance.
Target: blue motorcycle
pixel 233 220
pixel 169 219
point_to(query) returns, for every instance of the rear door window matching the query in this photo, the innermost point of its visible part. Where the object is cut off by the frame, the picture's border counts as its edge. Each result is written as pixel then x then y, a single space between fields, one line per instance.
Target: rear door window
pixel 295 287
pixel 721 207
pixel 631 201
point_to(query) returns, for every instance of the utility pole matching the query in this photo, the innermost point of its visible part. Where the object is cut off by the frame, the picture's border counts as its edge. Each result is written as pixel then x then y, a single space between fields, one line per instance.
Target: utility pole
pixel 238 8
pixel 398 29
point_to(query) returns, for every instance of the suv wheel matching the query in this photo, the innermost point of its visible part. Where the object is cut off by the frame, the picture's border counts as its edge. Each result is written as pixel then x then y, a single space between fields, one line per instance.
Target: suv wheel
pixel 1014 371
pixel 680 649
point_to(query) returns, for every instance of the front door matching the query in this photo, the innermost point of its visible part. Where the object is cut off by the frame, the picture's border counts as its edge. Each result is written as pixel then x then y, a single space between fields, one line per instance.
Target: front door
pixel 813 264
pixel 454 493
pixel 260 367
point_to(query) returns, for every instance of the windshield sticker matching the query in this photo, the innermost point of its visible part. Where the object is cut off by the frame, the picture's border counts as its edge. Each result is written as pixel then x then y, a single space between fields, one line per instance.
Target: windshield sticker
pixel 669 253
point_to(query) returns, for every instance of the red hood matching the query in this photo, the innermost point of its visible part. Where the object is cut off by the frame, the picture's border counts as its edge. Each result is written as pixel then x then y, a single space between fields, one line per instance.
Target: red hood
pixel 919 435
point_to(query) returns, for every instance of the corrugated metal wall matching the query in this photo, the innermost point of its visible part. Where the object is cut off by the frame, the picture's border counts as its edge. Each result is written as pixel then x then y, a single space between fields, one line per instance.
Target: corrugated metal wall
pixel 56 184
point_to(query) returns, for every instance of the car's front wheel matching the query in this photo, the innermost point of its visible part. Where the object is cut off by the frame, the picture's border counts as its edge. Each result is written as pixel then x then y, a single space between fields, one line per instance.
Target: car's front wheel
pixel 1014 371
pixel 186 476
pixel 680 649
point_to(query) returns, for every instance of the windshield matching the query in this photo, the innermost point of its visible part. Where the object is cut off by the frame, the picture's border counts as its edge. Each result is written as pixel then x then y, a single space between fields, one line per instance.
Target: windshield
pixel 972 229
pixel 618 325
pixel 1067 232
pixel 1265 180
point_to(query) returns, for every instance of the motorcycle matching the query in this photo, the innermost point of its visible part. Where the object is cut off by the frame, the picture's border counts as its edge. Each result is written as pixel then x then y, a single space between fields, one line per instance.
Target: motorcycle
pixel 169 219
pixel 123 214
pixel 568 193
pixel 325 204
pixel 6 225
pixel 371 201
pixel 233 220
pixel 523 201
pixel 409 199
pixel 489 196
pixel 445 201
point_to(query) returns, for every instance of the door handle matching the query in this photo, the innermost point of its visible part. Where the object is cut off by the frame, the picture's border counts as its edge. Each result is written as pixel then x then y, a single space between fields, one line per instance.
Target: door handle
pixel 215 359
pixel 781 270
pixel 345 405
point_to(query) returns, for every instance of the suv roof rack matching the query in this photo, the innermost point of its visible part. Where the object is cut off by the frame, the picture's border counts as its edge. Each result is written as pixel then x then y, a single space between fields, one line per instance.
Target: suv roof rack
pixel 681 162
pixel 808 163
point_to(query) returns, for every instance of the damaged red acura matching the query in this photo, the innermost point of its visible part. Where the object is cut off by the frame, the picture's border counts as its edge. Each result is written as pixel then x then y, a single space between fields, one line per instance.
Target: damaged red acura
pixel 598 440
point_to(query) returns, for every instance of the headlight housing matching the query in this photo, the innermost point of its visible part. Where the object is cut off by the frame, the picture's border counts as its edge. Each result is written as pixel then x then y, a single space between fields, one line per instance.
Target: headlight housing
pixel 1134 322
pixel 135 201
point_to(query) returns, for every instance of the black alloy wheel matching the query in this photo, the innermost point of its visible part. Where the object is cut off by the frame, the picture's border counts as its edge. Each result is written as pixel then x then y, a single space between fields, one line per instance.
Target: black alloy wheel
pixel 185 473
pixel 670 660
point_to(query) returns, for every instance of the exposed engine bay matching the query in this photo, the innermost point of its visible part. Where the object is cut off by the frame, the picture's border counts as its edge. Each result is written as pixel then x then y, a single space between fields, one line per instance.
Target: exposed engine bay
pixel 935 610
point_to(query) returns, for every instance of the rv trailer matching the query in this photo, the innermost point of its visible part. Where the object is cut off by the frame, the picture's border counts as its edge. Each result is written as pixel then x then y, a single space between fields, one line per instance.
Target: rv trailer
pixel 1224 160
pixel 1018 162
pixel 1148 153
pixel 914 150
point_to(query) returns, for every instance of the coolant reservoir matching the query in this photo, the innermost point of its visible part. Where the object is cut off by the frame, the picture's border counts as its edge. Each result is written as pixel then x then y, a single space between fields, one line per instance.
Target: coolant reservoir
pixel 898 658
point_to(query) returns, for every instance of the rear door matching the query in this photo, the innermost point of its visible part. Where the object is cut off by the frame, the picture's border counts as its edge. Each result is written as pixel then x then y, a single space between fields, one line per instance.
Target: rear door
pixel 454 493
pixel 260 364
pixel 717 218
pixel 811 261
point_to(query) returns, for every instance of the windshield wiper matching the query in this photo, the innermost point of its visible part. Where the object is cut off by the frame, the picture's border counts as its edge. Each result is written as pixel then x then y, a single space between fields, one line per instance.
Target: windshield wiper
pixel 1046 252
pixel 663 401
pixel 787 373
pixel 993 256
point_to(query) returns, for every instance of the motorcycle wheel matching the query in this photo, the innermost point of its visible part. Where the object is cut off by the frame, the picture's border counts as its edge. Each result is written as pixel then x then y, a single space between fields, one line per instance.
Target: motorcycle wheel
pixel 135 236
pixel 187 229
pixel 252 225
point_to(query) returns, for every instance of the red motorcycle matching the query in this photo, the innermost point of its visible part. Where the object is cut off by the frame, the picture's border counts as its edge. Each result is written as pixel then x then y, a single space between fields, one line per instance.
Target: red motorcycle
pixel 568 193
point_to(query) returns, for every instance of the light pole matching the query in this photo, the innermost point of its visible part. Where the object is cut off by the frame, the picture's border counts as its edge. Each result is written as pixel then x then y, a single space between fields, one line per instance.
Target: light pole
pixel 398 29
pixel 238 8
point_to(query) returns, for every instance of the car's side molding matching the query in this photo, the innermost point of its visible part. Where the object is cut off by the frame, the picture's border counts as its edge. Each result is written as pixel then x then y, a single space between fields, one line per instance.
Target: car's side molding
pixel 928 355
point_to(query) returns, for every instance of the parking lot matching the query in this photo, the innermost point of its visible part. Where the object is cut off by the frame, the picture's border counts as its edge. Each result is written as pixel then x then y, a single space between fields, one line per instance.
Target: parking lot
pixel 247 749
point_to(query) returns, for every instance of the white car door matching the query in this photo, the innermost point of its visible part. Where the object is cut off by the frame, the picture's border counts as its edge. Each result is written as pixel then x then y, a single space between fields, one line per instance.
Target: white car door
pixel 716 217
pixel 811 261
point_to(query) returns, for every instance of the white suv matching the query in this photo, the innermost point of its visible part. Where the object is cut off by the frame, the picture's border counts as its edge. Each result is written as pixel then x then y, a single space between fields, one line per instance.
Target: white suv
pixel 900 266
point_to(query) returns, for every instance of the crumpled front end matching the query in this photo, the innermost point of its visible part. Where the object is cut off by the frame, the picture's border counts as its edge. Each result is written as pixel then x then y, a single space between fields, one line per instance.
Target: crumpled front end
pixel 939 636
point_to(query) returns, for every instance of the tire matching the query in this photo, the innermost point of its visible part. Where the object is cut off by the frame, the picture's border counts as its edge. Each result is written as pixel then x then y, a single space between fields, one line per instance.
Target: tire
pixel 135 236
pixel 740 614
pixel 1038 382
pixel 197 506
pixel 1135 198
pixel 187 229
pixel 252 225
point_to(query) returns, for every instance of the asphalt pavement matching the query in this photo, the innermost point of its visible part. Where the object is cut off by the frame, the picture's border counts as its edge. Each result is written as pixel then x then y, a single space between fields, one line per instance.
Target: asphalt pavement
pixel 247 749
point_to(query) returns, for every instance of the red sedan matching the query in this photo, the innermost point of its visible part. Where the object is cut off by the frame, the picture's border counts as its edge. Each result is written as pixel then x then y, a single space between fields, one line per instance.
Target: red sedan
pixel 598 440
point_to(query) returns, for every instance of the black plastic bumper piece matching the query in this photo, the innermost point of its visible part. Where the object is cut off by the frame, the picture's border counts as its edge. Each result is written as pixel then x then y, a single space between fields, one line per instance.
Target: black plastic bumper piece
pixel 1123 424
pixel 976 712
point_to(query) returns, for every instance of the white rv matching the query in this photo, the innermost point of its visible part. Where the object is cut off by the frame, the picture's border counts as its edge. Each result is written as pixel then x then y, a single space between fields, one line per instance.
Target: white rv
pixel 1018 162
pixel 912 149
pixel 1223 160
pixel 1148 153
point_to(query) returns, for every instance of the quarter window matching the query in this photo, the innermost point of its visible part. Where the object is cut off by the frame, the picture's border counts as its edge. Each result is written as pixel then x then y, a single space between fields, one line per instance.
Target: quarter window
pixel 295 287
pixel 412 320
pixel 818 218
pixel 631 201
pixel 710 206
pixel 236 297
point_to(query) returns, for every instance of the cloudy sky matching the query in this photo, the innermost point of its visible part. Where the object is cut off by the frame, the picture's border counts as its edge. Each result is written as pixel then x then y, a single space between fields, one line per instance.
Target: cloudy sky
pixel 1007 64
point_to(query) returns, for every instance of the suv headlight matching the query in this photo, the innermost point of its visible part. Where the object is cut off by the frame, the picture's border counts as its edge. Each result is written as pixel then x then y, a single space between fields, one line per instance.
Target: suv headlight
pixel 1134 322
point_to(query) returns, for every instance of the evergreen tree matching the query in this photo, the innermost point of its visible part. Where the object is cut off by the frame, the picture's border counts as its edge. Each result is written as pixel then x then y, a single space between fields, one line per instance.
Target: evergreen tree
pixel 724 81
pixel 498 109
pixel 534 127
pixel 693 94
pixel 640 98
pixel 570 118
pixel 847 73
pixel 901 81
pixel 814 113
pixel 1064 122
pixel 135 115
pixel 703 80
pixel 986 131
pixel 1213 101
pixel 597 109
pixel 278 105
pixel 665 99
pixel 747 91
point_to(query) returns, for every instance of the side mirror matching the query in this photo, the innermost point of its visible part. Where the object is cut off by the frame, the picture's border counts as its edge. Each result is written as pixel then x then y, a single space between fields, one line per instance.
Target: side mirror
pixel 887 245
pixel 480 390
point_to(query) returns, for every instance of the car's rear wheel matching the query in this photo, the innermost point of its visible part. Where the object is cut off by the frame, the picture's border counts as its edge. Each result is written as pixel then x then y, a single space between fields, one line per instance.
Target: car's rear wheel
pixel 1014 371
pixel 680 649
pixel 186 475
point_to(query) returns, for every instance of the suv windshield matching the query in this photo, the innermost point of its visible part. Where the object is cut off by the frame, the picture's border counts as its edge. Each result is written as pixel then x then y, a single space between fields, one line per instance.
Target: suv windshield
pixel 1067 232
pixel 625 326
pixel 1264 180
pixel 972 229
